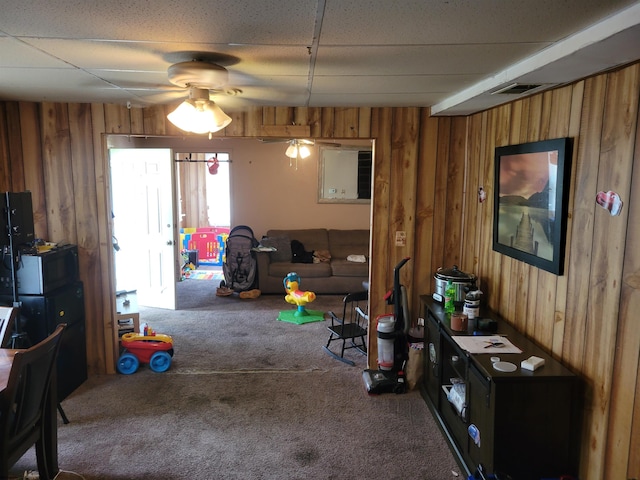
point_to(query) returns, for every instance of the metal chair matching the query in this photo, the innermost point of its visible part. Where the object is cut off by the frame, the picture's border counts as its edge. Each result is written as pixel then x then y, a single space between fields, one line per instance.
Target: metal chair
pixel 8 317
pixel 351 328
pixel 23 403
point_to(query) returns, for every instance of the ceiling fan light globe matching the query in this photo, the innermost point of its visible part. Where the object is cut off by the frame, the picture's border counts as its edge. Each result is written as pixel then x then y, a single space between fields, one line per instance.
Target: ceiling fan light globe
pixel 292 150
pixel 304 151
pixel 197 116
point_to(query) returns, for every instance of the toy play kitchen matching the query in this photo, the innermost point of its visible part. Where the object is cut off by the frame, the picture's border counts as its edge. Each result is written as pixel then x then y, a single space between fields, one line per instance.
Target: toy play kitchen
pixel 461 281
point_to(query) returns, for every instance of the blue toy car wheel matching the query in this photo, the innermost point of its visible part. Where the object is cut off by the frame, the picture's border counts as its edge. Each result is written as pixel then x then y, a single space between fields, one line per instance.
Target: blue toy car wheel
pixel 160 362
pixel 128 364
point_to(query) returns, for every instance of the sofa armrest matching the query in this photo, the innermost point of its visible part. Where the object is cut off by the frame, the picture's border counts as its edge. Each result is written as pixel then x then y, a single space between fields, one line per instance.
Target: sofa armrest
pixel 264 259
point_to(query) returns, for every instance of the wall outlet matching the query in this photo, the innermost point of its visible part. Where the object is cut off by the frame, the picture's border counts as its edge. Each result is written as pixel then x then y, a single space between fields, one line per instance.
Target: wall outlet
pixel 401 238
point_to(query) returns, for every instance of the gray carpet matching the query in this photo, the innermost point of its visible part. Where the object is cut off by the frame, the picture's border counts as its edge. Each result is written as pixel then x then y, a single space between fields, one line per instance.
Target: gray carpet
pixel 246 397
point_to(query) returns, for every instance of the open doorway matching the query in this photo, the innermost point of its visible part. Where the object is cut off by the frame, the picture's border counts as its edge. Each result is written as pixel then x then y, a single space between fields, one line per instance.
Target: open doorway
pixel 205 212
pixel 156 196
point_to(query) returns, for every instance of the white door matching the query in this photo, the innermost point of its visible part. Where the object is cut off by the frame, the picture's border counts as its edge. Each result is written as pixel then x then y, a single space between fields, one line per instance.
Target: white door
pixel 145 224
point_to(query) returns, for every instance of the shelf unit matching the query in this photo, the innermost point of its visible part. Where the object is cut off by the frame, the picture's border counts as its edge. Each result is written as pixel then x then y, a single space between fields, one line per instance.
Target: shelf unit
pixel 526 424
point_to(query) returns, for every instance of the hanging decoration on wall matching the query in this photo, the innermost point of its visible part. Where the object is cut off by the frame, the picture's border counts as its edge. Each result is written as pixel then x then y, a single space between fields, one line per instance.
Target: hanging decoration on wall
pixel 610 201
pixel 212 165
pixel 482 195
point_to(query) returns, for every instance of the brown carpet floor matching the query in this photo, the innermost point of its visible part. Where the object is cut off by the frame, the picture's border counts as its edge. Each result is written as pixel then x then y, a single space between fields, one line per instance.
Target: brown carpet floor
pixel 246 397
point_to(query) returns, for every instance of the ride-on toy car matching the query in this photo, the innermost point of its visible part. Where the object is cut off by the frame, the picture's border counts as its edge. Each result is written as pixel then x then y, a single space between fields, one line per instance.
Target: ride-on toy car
pixel 156 350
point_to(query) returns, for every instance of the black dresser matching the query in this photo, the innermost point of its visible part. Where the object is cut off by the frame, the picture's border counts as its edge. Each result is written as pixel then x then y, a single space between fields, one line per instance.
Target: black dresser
pixel 520 423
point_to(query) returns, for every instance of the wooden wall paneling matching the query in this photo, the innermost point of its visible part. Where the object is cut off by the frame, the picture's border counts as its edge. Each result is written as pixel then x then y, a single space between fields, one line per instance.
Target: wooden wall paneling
pixel 269 116
pixel 622 458
pixel 364 122
pixel 155 120
pixel 5 156
pixel 30 135
pixel 438 258
pixel 484 229
pixel 57 169
pixel 15 147
pixel 301 116
pixel 614 173
pixel 86 217
pixel 404 166
pixel 254 122
pixel 573 131
pixel 284 116
pixel 499 134
pixel 236 127
pixel 136 121
pixel 586 154
pixel 103 358
pixel 346 122
pixel 314 120
pixel 424 215
pixel 327 122
pixel 117 118
pixel 454 218
pixel 470 195
pixel 381 129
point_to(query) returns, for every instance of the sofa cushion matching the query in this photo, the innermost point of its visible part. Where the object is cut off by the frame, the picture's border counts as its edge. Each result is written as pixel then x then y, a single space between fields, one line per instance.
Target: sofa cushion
pixel 344 268
pixel 282 244
pixel 309 270
pixel 348 242
pixel 311 238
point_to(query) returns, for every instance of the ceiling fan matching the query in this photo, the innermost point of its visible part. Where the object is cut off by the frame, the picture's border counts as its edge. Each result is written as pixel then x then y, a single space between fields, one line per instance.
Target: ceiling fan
pixel 202 75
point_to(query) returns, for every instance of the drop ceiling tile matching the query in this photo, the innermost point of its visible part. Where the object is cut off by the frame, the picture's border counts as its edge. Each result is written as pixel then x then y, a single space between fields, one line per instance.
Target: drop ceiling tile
pixel 372 100
pixel 393 83
pixel 17 54
pixel 63 85
pixel 413 22
pixel 209 21
pixel 418 60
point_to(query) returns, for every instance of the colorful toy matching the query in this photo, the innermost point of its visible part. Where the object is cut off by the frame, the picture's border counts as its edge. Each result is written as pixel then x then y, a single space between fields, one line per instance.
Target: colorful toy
pixel 295 296
pixel 154 349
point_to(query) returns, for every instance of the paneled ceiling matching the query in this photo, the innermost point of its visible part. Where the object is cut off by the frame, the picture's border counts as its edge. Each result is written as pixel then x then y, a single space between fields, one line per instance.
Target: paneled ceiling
pixel 451 55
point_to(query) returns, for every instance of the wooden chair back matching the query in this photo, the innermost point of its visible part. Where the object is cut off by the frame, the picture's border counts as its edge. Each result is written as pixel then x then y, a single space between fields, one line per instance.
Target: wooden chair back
pixel 23 401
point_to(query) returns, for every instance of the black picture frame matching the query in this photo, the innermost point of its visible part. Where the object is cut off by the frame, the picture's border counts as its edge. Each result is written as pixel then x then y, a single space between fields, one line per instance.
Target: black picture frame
pixel 530 202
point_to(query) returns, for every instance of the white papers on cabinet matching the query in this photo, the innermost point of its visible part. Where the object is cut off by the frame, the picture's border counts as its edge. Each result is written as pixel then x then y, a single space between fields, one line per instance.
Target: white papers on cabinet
pixel 486 344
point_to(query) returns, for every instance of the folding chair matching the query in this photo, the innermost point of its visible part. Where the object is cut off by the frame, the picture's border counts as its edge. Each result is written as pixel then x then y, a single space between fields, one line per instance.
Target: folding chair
pixel 351 328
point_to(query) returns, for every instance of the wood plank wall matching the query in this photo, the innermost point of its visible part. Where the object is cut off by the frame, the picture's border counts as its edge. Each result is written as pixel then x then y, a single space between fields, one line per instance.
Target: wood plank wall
pixel 427 172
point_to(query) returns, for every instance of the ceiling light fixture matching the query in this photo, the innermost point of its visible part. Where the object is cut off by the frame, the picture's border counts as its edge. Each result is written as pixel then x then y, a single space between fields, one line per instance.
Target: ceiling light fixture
pixel 297 149
pixel 199 114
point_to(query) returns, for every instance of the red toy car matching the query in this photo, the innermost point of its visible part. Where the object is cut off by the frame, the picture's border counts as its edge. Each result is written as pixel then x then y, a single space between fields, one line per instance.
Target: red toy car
pixel 156 350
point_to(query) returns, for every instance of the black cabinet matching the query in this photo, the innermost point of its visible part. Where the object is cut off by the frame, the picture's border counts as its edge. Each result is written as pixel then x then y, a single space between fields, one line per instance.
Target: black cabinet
pixel 40 314
pixel 522 423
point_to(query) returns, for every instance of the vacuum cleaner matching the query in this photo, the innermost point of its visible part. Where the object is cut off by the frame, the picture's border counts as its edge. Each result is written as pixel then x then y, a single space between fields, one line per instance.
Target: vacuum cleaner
pixel 393 346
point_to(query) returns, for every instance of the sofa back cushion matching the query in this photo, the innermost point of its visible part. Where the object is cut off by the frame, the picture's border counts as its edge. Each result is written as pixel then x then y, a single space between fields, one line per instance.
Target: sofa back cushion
pixel 311 238
pixel 343 243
